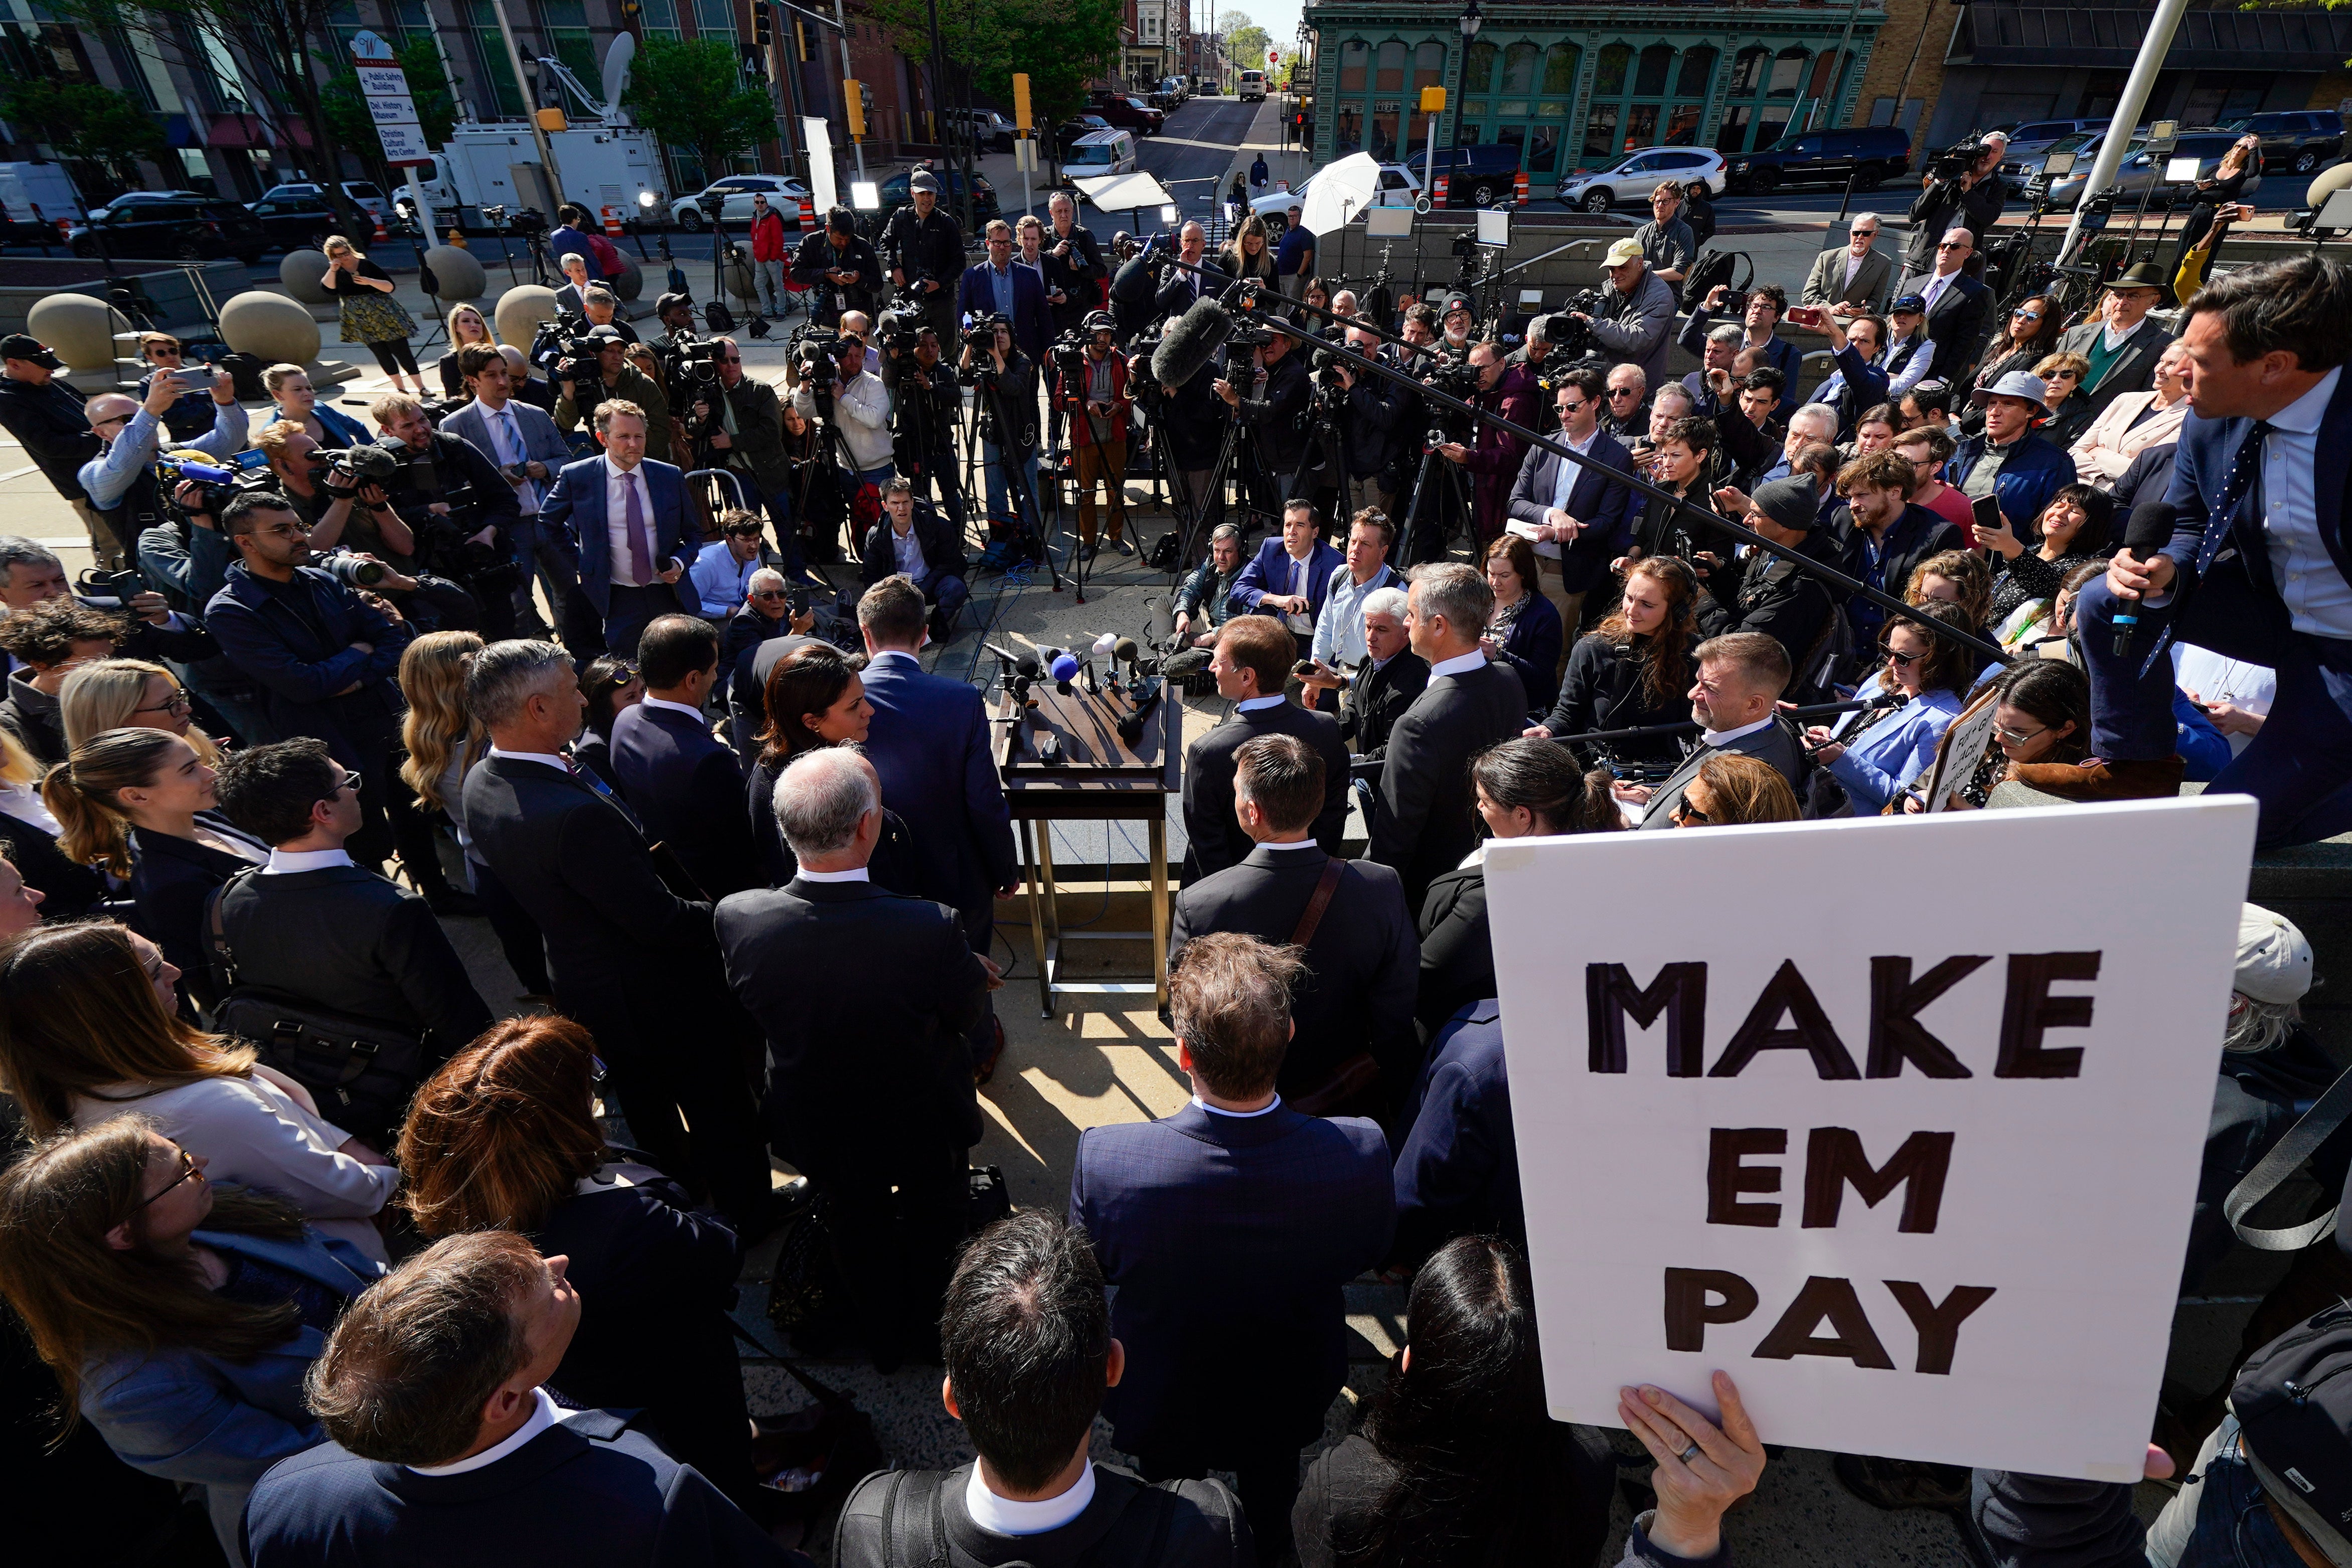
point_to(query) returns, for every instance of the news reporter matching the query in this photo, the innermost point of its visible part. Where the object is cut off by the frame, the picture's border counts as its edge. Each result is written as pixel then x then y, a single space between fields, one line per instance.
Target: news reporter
pixel 179 1319
pixel 1928 673
pixel 1522 630
pixel 1008 397
pixel 1633 672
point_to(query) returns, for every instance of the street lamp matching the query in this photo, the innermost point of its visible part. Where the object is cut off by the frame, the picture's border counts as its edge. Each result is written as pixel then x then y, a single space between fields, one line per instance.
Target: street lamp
pixel 1470 21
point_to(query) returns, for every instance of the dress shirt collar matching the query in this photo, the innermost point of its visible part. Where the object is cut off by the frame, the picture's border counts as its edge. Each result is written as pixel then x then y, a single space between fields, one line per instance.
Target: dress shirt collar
pixel 1238 1115
pixel 1460 663
pixel 2303 415
pixel 857 874
pixel 1248 704
pixel 653 701
pixel 893 653
pixel 1725 737
pixel 548 759
pixel 1305 843
pixel 285 862
pixel 544 1415
pixel 1002 1516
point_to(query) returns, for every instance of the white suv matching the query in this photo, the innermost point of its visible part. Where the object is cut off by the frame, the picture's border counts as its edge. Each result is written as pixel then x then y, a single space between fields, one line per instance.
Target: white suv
pixel 735 193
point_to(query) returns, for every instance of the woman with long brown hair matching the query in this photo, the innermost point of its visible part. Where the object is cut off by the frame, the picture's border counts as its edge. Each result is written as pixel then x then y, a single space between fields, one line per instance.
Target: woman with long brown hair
pixel 85 1036
pixel 1733 789
pixel 504 1137
pixel 609 684
pixel 140 803
pixel 1522 630
pixel 1248 255
pixel 179 1319
pixel 814 697
pixel 1635 671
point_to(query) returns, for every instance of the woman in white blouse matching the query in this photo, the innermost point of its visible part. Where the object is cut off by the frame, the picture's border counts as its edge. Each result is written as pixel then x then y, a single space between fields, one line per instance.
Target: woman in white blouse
pixel 87 1033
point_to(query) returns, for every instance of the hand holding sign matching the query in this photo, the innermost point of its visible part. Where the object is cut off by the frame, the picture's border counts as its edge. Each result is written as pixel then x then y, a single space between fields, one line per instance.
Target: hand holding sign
pixel 1702 1469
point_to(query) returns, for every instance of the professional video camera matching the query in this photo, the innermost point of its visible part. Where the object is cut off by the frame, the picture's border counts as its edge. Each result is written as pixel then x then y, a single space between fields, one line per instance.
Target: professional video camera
pixel 1068 352
pixel 216 484
pixel 348 470
pixel 565 350
pixel 1572 340
pixel 815 352
pixel 415 481
pixel 1957 159
pixel 902 322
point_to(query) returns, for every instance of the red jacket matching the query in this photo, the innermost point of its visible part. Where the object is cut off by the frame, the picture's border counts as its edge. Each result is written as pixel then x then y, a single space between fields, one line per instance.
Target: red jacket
pixel 768 237
pixel 1073 399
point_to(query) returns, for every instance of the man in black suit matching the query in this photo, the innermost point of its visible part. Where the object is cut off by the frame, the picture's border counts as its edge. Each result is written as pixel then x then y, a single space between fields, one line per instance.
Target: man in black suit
pixel 1384 686
pixel 1740 677
pixel 1252 660
pixel 866 998
pixel 1186 286
pixel 1363 955
pixel 1576 506
pixel 1422 823
pixel 1029 1356
pixel 681 782
pixel 1956 305
pixel 632 962
pixel 314 927
pixel 1230 1230
pixel 1457 1165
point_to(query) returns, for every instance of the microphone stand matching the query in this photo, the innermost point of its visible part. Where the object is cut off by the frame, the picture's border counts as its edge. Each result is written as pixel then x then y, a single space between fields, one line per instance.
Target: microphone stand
pixel 1365 322
pixel 1248 293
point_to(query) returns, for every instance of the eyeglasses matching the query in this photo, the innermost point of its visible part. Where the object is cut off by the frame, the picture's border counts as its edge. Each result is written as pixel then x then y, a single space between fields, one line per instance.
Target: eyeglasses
pixel 176 703
pixel 2026 315
pixel 769 594
pixel 1901 659
pixel 1954 244
pixel 2017 737
pixel 2065 376
pixel 1617 392
pixel 188 1173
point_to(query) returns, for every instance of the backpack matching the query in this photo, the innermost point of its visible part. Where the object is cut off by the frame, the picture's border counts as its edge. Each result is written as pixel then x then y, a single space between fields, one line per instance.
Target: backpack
pixel 1714 266
pixel 911 1532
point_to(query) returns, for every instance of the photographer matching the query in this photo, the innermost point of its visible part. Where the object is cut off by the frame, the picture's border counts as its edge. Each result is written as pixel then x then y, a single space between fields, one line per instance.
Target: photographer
pixel 1007 384
pixel 1857 382
pixel 676 313
pixel 1191 424
pixel 608 377
pixel 601 306
pixel 838 268
pixel 462 513
pixel 1493 455
pixel 1373 432
pixel 741 425
pixel 1093 396
pixel 1636 323
pixel 1073 264
pixel 303 472
pixel 1961 189
pixel 929 404
pixel 527 450
pixel 926 251
pixel 1456 322
pixel 1760 310
pixel 1277 411
pixel 121 480
pixel 860 413
pixel 192 416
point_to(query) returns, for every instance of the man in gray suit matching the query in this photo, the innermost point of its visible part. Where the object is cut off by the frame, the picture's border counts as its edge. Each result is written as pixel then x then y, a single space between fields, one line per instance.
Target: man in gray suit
pixel 1740 676
pixel 527 448
pixel 2123 344
pixel 1853 279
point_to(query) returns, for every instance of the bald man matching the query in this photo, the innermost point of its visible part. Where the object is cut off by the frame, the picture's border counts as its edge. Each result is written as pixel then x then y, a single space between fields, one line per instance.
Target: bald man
pixel 121 480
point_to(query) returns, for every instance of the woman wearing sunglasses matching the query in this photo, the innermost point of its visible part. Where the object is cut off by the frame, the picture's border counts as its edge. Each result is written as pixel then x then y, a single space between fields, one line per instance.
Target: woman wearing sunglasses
pixel 2023 339
pixel 1925 673
pixel 2061 379
pixel 179 1319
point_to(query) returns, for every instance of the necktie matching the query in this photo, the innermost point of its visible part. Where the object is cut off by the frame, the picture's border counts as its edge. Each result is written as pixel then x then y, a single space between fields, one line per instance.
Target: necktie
pixel 588 776
pixel 511 439
pixel 641 545
pixel 2222 519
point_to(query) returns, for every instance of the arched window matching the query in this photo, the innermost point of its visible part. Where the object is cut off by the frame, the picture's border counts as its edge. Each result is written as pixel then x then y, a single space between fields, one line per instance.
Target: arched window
pixel 1428 66
pixel 1788 70
pixel 1615 60
pixel 1651 82
pixel 1559 73
pixel 1389 74
pixel 1519 69
pixel 1352 65
pixel 1478 71
pixel 1699 67
pixel 1748 72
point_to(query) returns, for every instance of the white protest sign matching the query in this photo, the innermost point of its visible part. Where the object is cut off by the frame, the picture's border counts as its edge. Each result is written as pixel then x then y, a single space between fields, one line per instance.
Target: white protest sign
pixel 1910 1156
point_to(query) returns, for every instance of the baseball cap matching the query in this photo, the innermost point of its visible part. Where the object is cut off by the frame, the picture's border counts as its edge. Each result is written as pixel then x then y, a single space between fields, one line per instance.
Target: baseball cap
pixel 923 180
pixel 669 302
pixel 1792 502
pixel 608 333
pixel 1908 304
pixel 2274 958
pixel 1624 251
pixel 23 345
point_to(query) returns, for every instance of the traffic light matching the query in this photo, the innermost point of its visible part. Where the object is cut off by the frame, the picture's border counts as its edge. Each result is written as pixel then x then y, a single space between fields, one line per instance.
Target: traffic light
pixel 853 93
pixel 764 26
pixel 1021 99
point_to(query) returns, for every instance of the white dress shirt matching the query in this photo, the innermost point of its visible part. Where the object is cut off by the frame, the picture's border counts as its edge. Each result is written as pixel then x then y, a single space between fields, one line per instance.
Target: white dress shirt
pixel 1725 737
pixel 1002 1516
pixel 24 803
pixel 857 874
pixel 906 551
pixel 693 714
pixel 545 759
pixel 544 1413
pixel 1307 843
pixel 619 481
pixel 1564 482
pixel 2318 599
pixel 286 862
pixel 506 432
pixel 1238 1115
pixel 1460 663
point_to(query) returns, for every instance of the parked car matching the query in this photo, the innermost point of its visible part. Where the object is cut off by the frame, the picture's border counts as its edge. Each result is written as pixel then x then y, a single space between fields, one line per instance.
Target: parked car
pixel 194 228
pixel 1871 154
pixel 730 200
pixel 362 194
pixel 1400 187
pixel 2301 140
pixel 2022 160
pixel 296 222
pixel 1475 176
pixel 1631 181
pixel 1067 133
pixel 2143 171
pixel 896 195
pixel 138 198
pixel 1132 113
pixel 989 130
pixel 1252 86
pixel 1101 153
pixel 1170 93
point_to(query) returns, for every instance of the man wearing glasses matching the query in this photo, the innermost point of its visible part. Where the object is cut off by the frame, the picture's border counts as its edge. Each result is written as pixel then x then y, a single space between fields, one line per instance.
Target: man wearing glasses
pixel 1955 304
pixel 1625 410
pixel 313 930
pixel 1854 279
pixel 1574 508
pixel 2123 344
pixel 743 430
pixel 121 480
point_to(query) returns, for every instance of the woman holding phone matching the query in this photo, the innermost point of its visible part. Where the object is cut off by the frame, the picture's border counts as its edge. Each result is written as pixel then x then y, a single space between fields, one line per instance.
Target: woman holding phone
pixel 2075 529
pixel 370 315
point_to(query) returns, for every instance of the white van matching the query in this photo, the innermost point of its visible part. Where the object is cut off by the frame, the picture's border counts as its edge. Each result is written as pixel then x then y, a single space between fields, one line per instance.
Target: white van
pixel 1101 153
pixel 1253 85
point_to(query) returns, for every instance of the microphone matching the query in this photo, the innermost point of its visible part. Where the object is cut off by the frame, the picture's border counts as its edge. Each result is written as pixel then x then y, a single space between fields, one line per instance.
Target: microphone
pixel 1147 696
pixel 1105 644
pixel 1126 648
pixel 2150 530
pixel 1187 347
pixel 1065 669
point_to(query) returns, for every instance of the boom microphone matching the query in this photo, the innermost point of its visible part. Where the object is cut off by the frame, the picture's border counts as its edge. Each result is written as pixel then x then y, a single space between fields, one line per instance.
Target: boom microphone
pixel 2147 534
pixel 1187 347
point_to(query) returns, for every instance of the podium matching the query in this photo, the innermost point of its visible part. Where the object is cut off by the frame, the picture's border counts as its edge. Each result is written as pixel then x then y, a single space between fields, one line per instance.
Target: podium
pixel 1102 779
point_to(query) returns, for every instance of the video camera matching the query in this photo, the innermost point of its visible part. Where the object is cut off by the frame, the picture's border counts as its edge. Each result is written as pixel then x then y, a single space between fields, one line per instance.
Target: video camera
pixel 565 350
pixel 1571 339
pixel 815 352
pixel 1068 352
pixel 1957 159
pixel 901 324
pixel 216 484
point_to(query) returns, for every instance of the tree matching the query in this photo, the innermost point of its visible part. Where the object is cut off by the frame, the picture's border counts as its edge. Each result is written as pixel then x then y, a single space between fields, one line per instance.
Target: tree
pixel 85 122
pixel 428 87
pixel 691 93
pixel 1063 45
pixel 1245 41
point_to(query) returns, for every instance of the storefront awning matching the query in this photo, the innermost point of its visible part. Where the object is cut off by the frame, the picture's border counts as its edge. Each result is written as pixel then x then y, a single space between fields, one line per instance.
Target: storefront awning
pixel 2109 38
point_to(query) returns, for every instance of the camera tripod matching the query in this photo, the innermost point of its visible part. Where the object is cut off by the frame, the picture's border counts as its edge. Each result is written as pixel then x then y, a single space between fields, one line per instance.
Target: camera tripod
pixel 1451 491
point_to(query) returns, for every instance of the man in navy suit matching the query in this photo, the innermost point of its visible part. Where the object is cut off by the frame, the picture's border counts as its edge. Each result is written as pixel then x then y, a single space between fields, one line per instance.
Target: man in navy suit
pixel 930 743
pixel 1290 577
pixel 675 773
pixel 1229 1230
pixel 1577 508
pixel 527 450
pixel 444 1446
pixel 2259 567
pixel 1252 656
pixel 997 288
pixel 625 522
pixel 1457 1164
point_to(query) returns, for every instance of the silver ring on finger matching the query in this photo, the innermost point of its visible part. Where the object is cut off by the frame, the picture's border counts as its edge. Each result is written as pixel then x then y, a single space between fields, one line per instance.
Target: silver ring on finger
pixel 1686 1455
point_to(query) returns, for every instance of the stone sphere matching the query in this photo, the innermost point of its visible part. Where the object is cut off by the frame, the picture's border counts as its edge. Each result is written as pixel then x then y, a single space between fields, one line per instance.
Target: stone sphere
pixel 299 273
pixel 270 326
pixel 739 282
pixel 520 311
pixel 458 273
pixel 2327 183
pixel 632 280
pixel 80 327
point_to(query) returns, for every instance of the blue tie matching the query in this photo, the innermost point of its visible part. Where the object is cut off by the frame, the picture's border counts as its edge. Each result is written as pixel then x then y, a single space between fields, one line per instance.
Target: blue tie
pixel 588 776
pixel 2221 521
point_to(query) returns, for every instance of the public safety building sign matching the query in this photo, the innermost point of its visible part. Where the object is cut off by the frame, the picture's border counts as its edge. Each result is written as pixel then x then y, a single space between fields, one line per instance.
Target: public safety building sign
pixel 1896 1121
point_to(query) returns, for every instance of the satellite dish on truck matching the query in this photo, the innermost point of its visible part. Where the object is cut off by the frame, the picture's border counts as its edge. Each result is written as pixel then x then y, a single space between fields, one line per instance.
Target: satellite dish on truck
pixel 618 61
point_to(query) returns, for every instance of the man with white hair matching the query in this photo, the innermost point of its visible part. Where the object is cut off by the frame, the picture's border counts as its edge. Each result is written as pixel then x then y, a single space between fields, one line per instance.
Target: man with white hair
pixel 121 480
pixel 1854 278
pixel 575 858
pixel 1626 409
pixel 1814 425
pixel 866 998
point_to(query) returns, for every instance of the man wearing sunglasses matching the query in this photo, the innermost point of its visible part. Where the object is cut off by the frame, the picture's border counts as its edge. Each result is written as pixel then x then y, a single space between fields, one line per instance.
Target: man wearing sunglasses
pixel 311 931
pixel 1573 508
pixel 1954 303
pixel 1625 411
pixel 2123 344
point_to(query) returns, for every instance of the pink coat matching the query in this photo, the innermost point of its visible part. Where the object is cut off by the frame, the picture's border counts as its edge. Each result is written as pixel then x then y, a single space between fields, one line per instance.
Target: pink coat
pixel 2104 450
